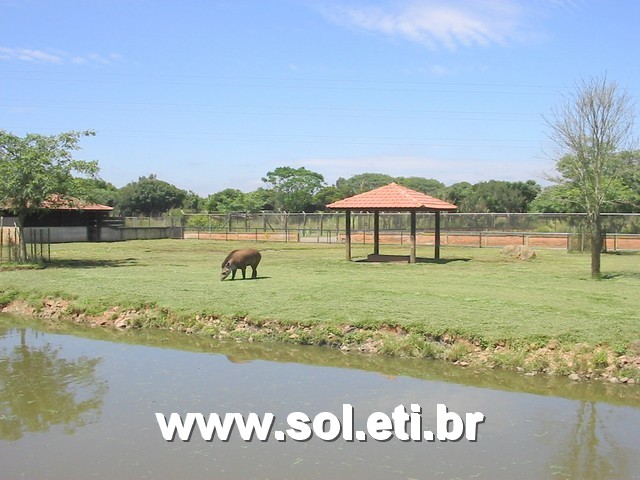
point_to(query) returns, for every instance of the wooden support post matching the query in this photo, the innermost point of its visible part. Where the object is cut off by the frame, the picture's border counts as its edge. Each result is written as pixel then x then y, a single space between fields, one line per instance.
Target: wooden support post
pixel 412 255
pixel 347 234
pixel 376 232
pixel 437 236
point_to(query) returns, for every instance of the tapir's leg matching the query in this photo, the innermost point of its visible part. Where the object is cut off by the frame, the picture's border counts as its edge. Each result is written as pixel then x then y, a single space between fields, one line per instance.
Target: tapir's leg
pixel 244 269
pixel 255 272
pixel 233 274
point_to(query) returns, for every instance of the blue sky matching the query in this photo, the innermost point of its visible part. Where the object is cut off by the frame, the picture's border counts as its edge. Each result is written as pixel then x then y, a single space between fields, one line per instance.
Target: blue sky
pixel 209 95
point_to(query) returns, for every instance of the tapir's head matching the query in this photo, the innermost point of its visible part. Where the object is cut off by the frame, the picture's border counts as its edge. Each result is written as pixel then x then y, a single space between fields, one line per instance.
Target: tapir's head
pixel 226 270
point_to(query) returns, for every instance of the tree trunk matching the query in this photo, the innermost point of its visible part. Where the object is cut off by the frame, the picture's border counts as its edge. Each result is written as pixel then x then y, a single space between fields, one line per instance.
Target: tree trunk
pixel 23 241
pixel 596 245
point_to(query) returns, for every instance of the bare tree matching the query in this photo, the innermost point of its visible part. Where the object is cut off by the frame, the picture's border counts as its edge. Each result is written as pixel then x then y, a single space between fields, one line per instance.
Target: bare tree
pixel 590 128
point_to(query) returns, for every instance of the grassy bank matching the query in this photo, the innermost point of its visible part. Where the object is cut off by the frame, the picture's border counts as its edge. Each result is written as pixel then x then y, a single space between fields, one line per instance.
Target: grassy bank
pixel 473 306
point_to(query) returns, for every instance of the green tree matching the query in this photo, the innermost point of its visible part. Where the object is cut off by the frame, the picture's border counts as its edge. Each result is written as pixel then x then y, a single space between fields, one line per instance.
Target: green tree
pixel 555 199
pixel 330 194
pixel 259 200
pixel 226 201
pixel 630 173
pixel 192 202
pixel 149 197
pixel 363 182
pixel 623 194
pixel 293 189
pixel 498 196
pixel 430 186
pixel 100 191
pixel 457 193
pixel 590 128
pixel 35 167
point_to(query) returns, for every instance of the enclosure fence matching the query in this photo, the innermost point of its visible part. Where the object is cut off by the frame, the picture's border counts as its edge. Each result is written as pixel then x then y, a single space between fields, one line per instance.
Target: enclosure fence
pixel 563 231
pixel 538 230
pixel 37 242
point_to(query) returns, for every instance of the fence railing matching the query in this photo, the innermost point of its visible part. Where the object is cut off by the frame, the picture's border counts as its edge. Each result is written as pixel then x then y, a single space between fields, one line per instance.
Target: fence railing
pixel 37 242
pixel 332 221
pixel 570 241
pixel 543 230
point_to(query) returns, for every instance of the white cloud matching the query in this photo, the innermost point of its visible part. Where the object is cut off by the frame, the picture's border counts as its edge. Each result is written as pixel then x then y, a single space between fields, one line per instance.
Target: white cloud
pixel 440 23
pixel 55 57
pixel 29 55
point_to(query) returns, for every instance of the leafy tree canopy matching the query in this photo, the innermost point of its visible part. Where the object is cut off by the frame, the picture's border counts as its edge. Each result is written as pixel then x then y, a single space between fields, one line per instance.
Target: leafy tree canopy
pixel 99 191
pixel 457 193
pixel 363 182
pixel 622 194
pixel 232 200
pixel 35 167
pixel 192 201
pixel 430 186
pixel 150 197
pixel 293 189
pixel 499 196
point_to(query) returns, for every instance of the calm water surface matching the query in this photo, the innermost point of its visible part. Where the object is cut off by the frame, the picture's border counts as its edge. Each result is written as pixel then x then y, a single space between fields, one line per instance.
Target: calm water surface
pixel 79 403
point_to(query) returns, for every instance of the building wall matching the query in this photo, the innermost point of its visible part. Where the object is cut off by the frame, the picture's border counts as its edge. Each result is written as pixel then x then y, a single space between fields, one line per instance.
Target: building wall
pixel 106 234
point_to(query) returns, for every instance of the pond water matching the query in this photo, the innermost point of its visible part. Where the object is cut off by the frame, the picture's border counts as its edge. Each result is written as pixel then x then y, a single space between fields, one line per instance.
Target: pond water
pixel 82 403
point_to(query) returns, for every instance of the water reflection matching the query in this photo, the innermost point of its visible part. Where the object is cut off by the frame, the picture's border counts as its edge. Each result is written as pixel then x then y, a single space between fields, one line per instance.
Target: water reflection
pixel 246 352
pixel 39 389
pixel 591 450
pixel 558 429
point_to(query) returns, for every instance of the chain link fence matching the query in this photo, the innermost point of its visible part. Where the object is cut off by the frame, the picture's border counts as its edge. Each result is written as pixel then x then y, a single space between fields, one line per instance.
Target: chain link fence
pixel 567 231
pixel 562 231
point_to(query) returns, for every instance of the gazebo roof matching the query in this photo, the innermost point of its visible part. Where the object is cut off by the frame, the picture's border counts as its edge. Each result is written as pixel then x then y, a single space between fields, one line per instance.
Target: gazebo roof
pixel 392 197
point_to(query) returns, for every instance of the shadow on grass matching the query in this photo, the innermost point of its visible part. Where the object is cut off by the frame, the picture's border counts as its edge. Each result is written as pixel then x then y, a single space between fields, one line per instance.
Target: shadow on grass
pixel 405 259
pixel 245 279
pixel 70 263
pixel 614 275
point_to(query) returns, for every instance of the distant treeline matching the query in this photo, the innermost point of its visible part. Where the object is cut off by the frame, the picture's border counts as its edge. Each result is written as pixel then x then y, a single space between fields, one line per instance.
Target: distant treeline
pixel 288 189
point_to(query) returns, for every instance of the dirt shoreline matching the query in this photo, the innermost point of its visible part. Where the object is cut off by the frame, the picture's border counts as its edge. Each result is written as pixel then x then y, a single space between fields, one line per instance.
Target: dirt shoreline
pixel 579 362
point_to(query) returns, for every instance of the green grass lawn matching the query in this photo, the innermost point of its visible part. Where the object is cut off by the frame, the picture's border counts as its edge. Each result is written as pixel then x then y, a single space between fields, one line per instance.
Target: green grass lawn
pixel 471 293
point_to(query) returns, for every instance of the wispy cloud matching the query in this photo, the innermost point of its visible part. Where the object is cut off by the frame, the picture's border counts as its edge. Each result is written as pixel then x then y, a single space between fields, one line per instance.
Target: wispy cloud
pixel 55 57
pixel 28 55
pixel 440 23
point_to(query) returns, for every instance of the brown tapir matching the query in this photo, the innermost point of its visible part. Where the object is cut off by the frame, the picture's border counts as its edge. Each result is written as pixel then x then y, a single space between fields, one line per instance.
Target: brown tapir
pixel 241 259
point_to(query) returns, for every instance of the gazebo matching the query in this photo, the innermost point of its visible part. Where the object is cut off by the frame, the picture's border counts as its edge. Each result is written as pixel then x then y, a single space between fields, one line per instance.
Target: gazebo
pixel 392 198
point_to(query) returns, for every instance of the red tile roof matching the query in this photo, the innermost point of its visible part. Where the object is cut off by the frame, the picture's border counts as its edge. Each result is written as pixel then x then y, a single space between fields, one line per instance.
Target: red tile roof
pixel 59 202
pixel 392 197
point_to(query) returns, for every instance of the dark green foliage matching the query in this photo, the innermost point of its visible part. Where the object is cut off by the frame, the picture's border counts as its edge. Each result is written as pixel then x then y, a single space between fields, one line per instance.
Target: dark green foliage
pixel 363 182
pixel 293 189
pixel 429 186
pixel 149 197
pixel 36 167
pixel 494 196
pixel 457 193
pixel 233 200
pixel 225 201
pixel 99 191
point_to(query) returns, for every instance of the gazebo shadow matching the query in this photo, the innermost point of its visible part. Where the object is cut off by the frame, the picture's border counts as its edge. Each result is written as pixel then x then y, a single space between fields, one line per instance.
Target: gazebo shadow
pixel 373 258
